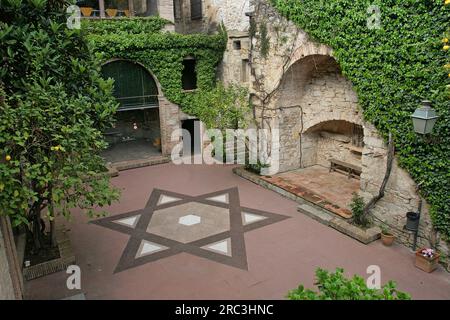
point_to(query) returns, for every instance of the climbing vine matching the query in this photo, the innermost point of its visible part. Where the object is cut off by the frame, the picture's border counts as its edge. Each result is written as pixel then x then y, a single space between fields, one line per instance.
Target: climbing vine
pixel 144 41
pixel 393 68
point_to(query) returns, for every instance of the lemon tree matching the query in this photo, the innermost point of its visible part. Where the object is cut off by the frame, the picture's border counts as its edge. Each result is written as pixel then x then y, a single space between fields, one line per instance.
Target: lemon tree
pixel 54 106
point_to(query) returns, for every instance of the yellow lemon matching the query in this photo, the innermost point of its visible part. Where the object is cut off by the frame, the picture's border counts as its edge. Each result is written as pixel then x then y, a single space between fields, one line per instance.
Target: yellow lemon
pixel 8 158
pixel 445 40
pixel 446 48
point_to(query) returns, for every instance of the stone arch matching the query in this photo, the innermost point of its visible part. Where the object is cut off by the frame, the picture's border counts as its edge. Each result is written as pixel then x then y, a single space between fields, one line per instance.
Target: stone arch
pixel 332 139
pixel 312 91
pixel 155 78
pixel 139 131
pixel 309 49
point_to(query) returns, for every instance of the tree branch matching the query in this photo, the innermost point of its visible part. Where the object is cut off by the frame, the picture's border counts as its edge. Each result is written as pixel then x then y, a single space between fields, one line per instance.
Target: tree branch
pixel 390 160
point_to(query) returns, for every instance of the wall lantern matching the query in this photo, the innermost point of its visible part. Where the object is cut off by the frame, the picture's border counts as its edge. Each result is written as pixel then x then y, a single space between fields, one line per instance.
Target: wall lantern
pixel 424 118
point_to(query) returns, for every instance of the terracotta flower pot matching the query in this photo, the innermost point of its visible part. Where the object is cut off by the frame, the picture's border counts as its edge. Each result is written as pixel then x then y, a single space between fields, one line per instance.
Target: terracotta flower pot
pixel 387 239
pixel 111 12
pixel 86 11
pixel 427 264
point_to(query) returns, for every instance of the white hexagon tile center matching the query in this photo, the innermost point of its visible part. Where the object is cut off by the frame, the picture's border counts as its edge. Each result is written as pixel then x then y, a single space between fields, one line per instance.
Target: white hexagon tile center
pixel 189 220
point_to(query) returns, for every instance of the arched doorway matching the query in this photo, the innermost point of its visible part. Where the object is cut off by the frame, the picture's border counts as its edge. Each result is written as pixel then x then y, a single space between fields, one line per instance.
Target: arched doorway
pixel 136 133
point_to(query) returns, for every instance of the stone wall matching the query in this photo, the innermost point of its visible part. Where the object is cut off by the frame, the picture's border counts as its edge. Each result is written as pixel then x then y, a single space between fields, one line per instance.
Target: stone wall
pixel 298 86
pixel 229 12
pixel 10 273
pixel 170 120
pixel 232 14
pixel 165 10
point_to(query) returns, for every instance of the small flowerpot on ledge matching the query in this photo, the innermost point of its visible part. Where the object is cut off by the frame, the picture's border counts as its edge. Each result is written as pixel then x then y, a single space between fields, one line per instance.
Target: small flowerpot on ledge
pixel 427 259
pixel 386 237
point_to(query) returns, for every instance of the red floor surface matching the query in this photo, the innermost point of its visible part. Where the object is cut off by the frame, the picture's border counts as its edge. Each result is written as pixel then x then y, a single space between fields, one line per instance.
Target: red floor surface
pixel 280 256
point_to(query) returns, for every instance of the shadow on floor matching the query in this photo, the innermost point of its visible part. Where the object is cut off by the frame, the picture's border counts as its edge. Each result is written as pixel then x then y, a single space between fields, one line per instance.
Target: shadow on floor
pixel 130 150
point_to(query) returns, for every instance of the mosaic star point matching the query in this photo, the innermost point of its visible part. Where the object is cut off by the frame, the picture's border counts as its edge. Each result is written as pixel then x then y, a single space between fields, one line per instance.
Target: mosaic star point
pixel 210 226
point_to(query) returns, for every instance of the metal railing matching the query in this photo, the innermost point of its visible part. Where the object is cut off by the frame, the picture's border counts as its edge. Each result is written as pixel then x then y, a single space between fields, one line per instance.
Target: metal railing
pixel 138 102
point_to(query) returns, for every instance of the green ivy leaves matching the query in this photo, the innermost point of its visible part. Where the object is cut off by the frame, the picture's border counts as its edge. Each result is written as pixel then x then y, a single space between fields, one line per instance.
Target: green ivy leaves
pixel 162 53
pixel 392 69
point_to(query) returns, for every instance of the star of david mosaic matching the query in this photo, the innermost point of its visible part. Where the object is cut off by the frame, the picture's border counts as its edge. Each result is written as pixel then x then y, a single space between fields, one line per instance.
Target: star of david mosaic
pixel 210 226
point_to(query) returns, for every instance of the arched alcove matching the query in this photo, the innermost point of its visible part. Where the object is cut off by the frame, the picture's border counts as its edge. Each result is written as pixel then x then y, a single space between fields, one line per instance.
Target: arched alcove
pixel 334 139
pixel 136 133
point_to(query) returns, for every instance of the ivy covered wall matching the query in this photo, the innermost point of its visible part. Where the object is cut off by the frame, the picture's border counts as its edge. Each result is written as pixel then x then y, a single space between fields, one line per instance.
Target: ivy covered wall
pixel 393 68
pixel 143 40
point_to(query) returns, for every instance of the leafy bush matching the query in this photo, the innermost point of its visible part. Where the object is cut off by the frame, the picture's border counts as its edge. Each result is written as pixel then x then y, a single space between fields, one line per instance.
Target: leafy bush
pixel 221 107
pixel 385 230
pixel 256 167
pixel 334 286
pixel 357 205
pixel 393 68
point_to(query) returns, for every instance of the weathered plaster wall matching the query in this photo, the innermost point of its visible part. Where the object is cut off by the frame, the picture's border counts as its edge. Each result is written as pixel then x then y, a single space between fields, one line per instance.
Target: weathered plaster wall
pixel 302 87
pixel 232 14
pixel 229 12
pixel 6 286
pixel 165 9
pixel 10 273
pixel 170 120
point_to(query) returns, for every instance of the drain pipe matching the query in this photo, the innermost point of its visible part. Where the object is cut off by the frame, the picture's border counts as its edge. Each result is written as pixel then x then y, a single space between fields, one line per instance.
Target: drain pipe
pixel 416 232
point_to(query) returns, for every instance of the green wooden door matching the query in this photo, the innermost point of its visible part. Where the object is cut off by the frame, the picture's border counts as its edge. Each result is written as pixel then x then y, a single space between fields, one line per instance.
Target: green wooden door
pixel 134 87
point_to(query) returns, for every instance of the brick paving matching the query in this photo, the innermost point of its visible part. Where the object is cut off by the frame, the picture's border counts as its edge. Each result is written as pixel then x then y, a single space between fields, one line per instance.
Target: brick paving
pixel 280 255
pixel 330 190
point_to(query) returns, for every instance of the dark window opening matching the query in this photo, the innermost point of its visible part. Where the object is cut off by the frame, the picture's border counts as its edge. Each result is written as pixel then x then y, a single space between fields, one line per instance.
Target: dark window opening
pixel 244 70
pixel 196 10
pixel 177 9
pixel 189 76
pixel 191 137
pixel 237 45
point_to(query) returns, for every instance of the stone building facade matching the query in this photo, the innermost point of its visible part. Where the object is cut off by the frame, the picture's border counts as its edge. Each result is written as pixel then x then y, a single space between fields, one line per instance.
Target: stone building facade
pixel 296 86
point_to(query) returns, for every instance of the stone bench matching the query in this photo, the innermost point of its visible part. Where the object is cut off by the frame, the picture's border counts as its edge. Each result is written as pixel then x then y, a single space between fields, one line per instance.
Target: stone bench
pixel 351 169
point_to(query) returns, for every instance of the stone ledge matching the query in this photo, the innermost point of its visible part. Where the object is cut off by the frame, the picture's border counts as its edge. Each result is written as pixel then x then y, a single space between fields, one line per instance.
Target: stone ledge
pixel 362 235
pixel 67 258
pixel 133 164
pixel 317 213
pixel 296 193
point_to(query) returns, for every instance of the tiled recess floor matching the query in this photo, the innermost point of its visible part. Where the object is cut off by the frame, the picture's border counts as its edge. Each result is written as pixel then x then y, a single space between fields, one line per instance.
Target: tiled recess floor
pixel 331 190
pixel 279 256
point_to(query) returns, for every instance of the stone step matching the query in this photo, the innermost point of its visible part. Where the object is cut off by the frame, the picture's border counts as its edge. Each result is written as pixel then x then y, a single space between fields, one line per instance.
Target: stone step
pixel 133 164
pixel 330 219
pixel 319 214
pixel 315 211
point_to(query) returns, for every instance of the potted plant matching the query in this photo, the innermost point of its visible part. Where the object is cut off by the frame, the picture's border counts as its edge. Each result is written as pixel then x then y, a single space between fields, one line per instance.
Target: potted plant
pixel 427 259
pixel 386 237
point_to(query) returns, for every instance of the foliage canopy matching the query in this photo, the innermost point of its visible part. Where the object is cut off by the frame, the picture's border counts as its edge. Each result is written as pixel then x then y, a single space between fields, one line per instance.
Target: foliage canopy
pixel 54 107
pixel 334 286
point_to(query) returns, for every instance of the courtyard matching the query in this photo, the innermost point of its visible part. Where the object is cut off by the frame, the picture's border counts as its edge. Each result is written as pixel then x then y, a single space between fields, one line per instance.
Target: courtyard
pixel 319 132
pixel 263 256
